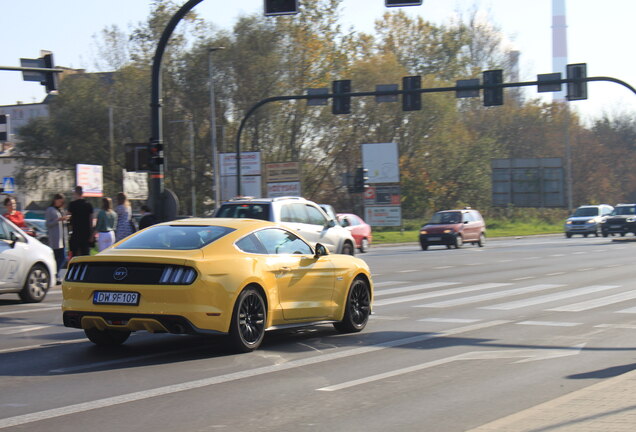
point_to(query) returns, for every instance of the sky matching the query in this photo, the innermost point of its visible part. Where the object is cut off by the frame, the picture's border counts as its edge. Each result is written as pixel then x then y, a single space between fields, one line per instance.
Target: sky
pixel 600 33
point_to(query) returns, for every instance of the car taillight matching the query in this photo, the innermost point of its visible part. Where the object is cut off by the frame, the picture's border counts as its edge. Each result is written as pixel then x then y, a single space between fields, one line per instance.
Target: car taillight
pixel 177 275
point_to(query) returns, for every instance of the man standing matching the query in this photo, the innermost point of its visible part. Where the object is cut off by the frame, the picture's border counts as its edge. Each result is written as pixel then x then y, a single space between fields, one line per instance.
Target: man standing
pixel 81 212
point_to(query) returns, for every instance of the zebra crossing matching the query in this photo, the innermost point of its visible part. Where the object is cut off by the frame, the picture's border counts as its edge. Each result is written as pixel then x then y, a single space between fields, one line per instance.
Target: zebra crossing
pixel 506 296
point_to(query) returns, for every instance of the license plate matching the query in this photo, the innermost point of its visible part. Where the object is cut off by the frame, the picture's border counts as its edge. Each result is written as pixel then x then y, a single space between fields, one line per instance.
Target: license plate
pixel 615 226
pixel 116 298
pixel 434 238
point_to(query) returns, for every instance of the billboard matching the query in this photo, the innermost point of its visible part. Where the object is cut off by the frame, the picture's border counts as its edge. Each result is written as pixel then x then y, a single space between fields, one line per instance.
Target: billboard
pixel 382 163
pixel 90 178
pixel 534 182
pixel 383 215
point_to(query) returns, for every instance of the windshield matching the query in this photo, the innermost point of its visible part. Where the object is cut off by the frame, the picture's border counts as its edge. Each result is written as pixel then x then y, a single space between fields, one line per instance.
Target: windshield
pixel 175 237
pixel 585 211
pixel 624 211
pixel 446 218
pixel 251 211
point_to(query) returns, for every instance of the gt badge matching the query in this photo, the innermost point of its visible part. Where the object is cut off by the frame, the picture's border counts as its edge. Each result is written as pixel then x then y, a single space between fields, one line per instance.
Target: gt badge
pixel 120 273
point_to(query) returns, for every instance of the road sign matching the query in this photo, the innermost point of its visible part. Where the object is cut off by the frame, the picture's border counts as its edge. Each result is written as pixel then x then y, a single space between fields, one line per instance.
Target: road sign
pixel 8 185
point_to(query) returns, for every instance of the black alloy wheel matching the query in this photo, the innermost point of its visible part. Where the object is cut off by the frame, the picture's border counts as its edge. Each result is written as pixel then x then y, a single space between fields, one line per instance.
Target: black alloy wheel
pixel 36 285
pixel 357 308
pixel 107 338
pixel 247 328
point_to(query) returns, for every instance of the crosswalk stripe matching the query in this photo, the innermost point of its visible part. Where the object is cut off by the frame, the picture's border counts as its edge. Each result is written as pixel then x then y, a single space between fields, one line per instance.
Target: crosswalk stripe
pixel 489 296
pixel 423 296
pixel 412 288
pixel 550 297
pixel 596 303
pixel 22 329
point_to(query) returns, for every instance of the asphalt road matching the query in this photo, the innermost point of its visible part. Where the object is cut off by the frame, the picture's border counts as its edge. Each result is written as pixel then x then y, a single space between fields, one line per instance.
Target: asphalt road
pixel 458 338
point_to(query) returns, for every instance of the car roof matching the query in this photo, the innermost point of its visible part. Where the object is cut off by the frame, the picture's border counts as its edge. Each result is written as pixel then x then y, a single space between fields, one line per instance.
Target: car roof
pixel 263 200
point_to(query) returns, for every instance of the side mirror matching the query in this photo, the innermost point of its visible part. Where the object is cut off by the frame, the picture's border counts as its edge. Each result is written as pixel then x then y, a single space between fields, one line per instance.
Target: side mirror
pixel 345 222
pixel 331 223
pixel 321 250
pixel 14 239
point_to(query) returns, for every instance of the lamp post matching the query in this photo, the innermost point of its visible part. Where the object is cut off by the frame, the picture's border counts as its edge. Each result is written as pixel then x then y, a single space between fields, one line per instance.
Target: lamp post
pixel 215 153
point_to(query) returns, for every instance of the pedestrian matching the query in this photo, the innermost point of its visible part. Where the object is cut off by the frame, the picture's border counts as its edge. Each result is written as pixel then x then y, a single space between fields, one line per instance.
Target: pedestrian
pixel 125 225
pixel 147 219
pixel 12 213
pixel 105 226
pixel 81 212
pixel 55 219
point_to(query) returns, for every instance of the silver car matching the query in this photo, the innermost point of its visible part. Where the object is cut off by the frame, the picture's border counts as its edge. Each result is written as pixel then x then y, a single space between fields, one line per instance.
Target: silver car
pixel 587 220
pixel 27 266
pixel 296 213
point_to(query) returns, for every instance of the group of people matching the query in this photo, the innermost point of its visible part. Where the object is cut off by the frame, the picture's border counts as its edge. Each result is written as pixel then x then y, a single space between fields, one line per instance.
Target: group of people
pixel 107 224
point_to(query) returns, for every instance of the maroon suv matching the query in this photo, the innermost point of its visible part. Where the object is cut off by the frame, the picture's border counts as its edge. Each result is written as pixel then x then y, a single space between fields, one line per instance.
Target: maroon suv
pixel 454 228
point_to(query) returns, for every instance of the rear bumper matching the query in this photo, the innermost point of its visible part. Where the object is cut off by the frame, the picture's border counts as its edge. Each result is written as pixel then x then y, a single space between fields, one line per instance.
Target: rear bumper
pixel 438 239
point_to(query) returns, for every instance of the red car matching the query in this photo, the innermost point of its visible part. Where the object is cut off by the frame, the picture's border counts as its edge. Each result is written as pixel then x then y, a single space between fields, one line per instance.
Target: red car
pixel 360 230
pixel 454 228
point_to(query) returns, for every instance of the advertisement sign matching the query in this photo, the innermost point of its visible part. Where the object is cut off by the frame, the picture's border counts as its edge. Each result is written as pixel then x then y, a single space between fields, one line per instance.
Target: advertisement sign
pixel 382 195
pixel 250 185
pixel 381 161
pixel 283 189
pixel 282 172
pixel 136 185
pixel 250 163
pixel 383 216
pixel 90 178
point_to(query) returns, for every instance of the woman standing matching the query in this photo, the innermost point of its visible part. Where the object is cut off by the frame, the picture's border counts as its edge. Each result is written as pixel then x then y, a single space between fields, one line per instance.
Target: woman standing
pixel 56 225
pixel 105 227
pixel 124 217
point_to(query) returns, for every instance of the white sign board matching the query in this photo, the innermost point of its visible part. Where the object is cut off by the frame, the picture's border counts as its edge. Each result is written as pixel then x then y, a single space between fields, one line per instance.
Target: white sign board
pixel 90 178
pixel 383 215
pixel 250 185
pixel 283 189
pixel 136 185
pixel 381 161
pixel 250 163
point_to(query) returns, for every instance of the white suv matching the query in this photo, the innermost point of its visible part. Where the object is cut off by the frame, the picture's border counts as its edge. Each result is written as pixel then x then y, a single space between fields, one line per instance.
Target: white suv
pixel 296 213
pixel 587 219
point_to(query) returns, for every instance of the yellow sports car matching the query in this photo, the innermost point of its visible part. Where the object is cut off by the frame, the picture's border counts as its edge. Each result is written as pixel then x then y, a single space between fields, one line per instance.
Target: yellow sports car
pixel 214 276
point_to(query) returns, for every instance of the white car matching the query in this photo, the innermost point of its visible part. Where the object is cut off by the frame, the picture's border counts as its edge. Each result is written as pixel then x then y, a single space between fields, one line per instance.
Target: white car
pixel 296 213
pixel 27 267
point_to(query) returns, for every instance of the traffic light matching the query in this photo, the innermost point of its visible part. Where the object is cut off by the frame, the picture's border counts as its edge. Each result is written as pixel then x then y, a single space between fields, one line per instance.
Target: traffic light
pixel 50 78
pixel 281 7
pixel 341 104
pixel 396 3
pixel 156 153
pixel 411 101
pixel 577 90
pixel 4 127
pixel 136 157
pixel 360 180
pixel 493 96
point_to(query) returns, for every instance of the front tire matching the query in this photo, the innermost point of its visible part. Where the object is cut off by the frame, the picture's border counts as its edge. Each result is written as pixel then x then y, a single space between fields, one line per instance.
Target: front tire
pixel 459 241
pixel 247 328
pixel 357 308
pixel 36 285
pixel 106 338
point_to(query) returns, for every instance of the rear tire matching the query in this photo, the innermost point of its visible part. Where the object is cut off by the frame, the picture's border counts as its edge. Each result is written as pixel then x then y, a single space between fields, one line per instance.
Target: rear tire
pixel 348 249
pixel 364 245
pixel 482 240
pixel 247 327
pixel 357 308
pixel 36 285
pixel 106 338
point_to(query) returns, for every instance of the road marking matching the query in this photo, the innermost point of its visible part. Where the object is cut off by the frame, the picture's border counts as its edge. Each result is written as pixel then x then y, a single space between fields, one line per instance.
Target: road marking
pixel 377 284
pixel 523 278
pixel 449 320
pixel 613 265
pixel 39 309
pixel 617 326
pixel 549 323
pixel 596 303
pixel 46 345
pixel 587 269
pixel 629 310
pixel 390 291
pixel 462 290
pixel 557 255
pixel 527 355
pixel 578 253
pixel 490 296
pixel 551 297
pixel 532 258
pixel 555 274
pixel 407 271
pixel 505 261
pixel 441 267
pixel 206 382
pixel 22 329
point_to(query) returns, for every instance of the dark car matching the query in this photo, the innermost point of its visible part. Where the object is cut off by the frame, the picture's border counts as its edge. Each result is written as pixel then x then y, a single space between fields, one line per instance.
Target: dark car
pixel 37 229
pixel 454 228
pixel 621 221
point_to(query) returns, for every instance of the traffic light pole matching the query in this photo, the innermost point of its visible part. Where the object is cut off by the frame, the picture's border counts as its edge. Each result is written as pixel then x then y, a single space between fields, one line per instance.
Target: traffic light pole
pixel 401 92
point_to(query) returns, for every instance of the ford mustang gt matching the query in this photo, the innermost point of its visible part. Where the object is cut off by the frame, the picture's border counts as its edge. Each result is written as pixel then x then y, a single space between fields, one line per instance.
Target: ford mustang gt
pixel 237 277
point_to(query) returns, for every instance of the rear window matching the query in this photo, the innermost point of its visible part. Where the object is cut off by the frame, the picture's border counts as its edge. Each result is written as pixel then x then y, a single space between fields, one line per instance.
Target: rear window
pixel 250 211
pixel 175 237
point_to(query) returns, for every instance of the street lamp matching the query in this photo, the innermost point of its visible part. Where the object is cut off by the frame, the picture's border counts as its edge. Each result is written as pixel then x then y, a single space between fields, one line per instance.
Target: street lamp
pixel 215 154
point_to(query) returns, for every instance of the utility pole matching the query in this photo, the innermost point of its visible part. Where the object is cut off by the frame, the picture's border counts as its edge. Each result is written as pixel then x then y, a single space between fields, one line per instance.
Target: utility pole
pixel 216 186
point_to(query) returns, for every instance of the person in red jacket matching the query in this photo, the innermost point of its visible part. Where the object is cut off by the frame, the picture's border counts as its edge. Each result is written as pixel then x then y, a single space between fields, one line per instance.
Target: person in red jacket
pixel 12 214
